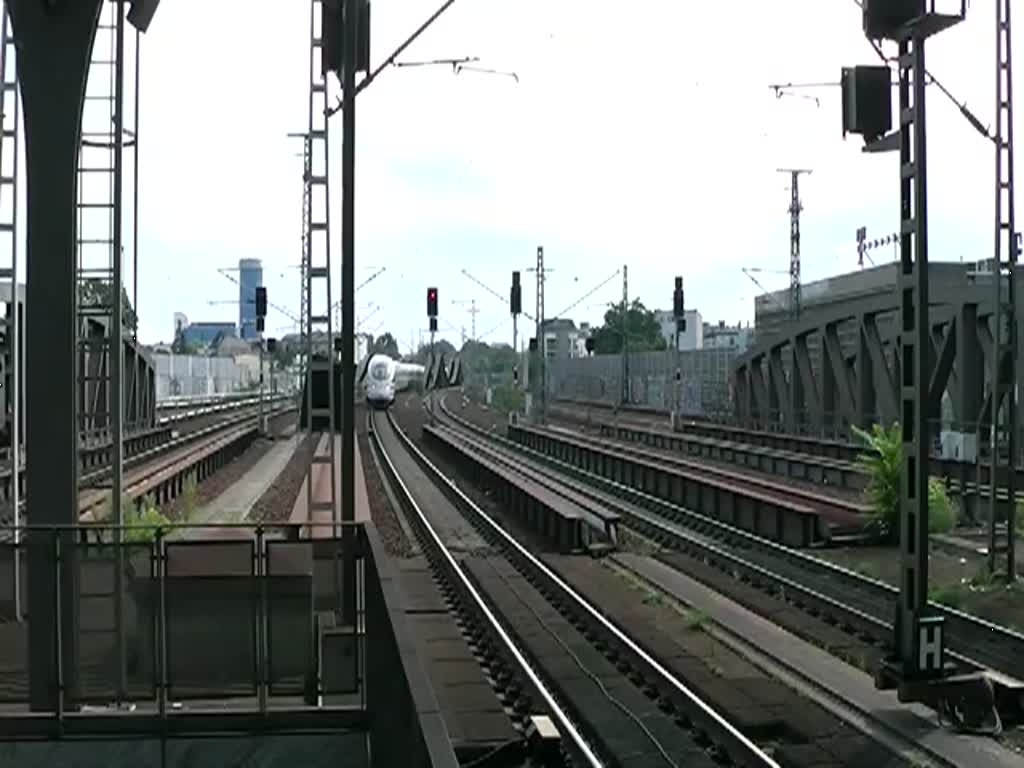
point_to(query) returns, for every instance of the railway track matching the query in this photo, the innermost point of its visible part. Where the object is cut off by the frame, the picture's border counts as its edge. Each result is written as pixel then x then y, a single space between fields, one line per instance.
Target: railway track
pixel 843 478
pixel 861 605
pixel 613 703
pixel 828 505
pixel 159 470
pixel 798 458
pixel 95 449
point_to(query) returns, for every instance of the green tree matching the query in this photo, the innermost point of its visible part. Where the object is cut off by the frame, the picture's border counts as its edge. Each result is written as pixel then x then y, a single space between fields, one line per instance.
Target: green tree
pixel 479 358
pixel 285 352
pixel 640 325
pixel 385 344
pixel 507 398
pixel 441 347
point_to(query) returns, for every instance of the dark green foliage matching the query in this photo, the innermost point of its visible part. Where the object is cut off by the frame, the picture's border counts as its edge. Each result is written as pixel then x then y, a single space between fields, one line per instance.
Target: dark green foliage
pixel 506 398
pixel 94 292
pixel 642 328
pixel 882 462
pixel 441 347
pixel 143 522
pixel 479 359
pixel 385 344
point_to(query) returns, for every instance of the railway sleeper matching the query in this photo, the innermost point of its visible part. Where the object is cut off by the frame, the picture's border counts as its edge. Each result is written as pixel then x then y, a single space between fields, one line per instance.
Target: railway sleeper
pixel 600 523
pixel 93 457
pixel 513 688
pixel 707 740
pixel 777 462
pixel 837 458
pixel 842 623
pixel 770 516
pixel 168 483
pixel 540 511
pixel 635 729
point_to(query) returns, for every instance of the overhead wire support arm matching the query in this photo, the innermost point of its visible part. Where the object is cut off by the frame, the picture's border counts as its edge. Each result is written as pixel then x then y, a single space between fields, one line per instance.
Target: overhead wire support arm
pixel 503 299
pixel 929 79
pixel 589 293
pixel 395 54
pixel 454 62
pixel 282 310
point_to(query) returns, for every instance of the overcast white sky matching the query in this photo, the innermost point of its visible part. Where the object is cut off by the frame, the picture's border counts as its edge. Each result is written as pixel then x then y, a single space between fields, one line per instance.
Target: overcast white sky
pixel 650 139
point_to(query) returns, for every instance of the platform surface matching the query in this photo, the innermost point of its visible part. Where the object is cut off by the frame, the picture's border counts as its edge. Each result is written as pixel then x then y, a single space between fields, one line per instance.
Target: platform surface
pixel 321 477
pixel 237 501
pixel 473 715
pixel 913 721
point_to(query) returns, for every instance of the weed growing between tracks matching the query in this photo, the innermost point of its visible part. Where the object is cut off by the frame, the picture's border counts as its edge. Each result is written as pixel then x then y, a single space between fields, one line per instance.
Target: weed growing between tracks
pixel 141 520
pixel 956 580
pixel 196 494
pixel 691 619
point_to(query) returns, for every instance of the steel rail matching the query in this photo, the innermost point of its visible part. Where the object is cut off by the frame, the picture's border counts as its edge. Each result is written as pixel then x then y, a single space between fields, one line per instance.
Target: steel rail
pixel 88 479
pixel 737 537
pixel 481 605
pixel 726 733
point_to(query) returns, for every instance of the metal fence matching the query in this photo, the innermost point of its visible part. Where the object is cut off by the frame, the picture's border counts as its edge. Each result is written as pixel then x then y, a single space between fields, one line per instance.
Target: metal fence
pixel 217 617
pixel 704 387
pixel 248 613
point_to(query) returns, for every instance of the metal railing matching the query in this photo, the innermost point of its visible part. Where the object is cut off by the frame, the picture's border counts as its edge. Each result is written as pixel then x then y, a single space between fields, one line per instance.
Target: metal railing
pixel 226 611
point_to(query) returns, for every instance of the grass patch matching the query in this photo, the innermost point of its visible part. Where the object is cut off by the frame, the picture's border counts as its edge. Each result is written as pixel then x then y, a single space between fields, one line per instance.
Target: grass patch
pixel 953 596
pixel 692 618
pixel 653 598
pixel 695 619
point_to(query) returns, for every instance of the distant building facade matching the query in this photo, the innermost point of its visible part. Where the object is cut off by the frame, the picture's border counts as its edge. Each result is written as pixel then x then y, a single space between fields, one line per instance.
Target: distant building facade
pixel 250 277
pixel 562 340
pixel 733 337
pixel 690 339
pixel 205 334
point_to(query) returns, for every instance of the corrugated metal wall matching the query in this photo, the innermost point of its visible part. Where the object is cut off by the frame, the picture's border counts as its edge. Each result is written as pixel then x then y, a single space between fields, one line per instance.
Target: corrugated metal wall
pixel 705 388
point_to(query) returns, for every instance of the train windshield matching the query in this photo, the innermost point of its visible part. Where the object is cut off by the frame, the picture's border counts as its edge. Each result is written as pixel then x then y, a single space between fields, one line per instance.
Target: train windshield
pixel 379 371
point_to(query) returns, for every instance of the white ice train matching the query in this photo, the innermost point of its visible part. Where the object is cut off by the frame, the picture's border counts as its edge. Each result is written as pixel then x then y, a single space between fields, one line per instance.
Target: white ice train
pixel 384 377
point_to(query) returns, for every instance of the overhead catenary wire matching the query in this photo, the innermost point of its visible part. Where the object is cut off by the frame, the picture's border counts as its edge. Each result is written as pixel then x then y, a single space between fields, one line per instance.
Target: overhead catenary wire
pixel 591 292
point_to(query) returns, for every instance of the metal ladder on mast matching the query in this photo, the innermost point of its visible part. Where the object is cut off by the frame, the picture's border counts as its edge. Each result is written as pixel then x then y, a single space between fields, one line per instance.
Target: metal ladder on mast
pixel 1007 246
pixel 99 332
pixel 9 115
pixel 318 268
pixel 12 349
pixel 95 235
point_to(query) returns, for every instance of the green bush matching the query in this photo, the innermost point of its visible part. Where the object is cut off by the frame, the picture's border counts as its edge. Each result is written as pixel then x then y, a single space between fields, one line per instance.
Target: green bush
pixel 506 398
pixel 883 463
pixel 941 510
pixel 143 522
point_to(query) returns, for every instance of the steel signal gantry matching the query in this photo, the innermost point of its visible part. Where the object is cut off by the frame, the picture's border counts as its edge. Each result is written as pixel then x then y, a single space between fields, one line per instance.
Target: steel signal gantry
pixel 918 666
